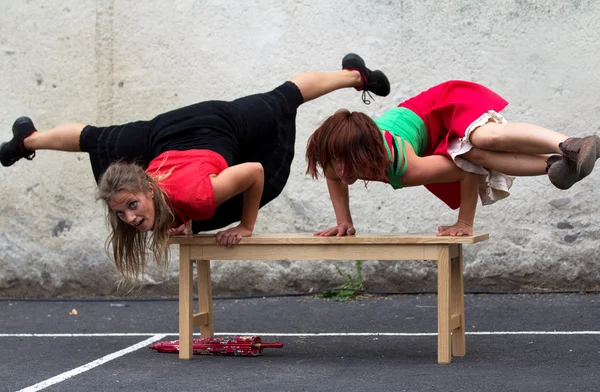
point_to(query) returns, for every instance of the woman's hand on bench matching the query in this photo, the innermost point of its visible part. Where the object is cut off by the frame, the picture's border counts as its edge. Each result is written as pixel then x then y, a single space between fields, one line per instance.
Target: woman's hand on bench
pixel 184 229
pixel 460 228
pixel 232 235
pixel 342 229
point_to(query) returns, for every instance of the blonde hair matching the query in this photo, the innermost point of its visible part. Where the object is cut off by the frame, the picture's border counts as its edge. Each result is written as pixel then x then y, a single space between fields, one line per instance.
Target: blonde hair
pixel 129 245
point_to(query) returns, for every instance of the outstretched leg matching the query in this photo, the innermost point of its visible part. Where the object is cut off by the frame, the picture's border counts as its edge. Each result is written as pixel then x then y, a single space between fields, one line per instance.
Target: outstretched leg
pixel 26 140
pixel 313 85
pixel 510 163
pixel 517 137
pixel 579 155
pixel 62 138
pixel 354 74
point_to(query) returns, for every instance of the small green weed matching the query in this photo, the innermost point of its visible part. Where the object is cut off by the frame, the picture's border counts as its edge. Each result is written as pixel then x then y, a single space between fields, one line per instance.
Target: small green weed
pixel 351 287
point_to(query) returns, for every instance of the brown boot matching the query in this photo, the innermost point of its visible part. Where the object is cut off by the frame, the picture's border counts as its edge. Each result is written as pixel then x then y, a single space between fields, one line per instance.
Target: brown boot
pixel 580 155
pixel 552 159
pixel 583 151
pixel 562 173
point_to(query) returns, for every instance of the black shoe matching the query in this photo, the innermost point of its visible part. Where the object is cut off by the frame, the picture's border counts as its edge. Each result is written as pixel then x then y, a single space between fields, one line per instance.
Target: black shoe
pixel 14 150
pixel 373 81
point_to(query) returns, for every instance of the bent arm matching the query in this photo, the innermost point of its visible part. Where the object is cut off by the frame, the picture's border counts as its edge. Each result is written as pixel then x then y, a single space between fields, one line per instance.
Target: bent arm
pixel 469 186
pixel 431 169
pixel 248 178
pixel 435 169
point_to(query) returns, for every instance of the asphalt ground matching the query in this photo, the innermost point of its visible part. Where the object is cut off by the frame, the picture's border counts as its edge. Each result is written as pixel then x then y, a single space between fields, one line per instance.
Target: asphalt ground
pixel 548 342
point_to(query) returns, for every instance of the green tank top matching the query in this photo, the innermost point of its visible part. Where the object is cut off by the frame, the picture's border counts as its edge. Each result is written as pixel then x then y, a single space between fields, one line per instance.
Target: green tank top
pixel 407 126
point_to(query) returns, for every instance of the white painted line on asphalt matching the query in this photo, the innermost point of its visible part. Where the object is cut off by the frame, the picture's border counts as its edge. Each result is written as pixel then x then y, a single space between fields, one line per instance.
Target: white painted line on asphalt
pixel 534 333
pixel 324 334
pixel 77 335
pixel 66 375
pixel 329 334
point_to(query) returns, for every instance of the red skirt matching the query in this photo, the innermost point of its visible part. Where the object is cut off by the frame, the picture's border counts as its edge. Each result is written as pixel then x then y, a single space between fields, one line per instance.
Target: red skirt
pixel 447 111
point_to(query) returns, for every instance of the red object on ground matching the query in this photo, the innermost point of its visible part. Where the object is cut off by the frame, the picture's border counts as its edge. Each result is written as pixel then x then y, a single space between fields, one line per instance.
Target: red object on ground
pixel 243 346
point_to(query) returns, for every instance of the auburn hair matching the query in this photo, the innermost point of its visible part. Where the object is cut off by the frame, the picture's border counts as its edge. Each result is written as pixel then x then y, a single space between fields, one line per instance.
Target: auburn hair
pixel 350 137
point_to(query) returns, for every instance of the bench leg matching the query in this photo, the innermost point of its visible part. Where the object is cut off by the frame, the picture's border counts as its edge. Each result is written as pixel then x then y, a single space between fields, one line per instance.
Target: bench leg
pixel 457 304
pixel 205 298
pixel 186 302
pixel 444 355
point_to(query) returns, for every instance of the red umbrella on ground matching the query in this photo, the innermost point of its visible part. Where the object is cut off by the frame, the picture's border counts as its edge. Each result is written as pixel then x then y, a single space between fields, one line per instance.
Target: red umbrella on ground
pixel 245 346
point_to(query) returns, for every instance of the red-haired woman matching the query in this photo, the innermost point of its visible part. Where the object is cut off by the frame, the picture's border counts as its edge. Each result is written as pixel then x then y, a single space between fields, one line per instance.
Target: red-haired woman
pixel 451 139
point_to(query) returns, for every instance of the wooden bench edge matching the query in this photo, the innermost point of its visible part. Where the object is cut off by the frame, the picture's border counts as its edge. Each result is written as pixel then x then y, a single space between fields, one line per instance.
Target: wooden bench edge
pixel 310 239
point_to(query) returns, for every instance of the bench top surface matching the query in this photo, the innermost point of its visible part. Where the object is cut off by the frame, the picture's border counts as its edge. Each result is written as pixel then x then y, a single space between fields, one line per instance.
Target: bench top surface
pixel 310 239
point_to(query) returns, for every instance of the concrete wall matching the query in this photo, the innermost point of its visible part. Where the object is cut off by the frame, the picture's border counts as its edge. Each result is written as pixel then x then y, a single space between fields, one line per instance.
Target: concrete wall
pixel 105 62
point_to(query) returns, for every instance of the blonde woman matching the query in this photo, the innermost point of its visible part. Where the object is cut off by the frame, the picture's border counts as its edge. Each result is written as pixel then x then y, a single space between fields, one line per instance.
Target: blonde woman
pixel 197 168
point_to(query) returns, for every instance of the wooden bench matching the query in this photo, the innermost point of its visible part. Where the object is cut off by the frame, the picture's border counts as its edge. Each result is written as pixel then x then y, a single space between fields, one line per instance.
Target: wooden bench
pixel 446 250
